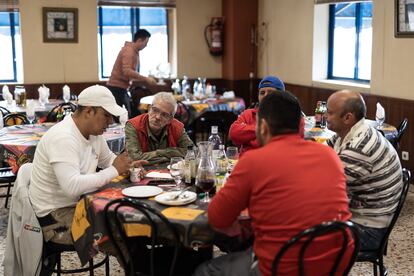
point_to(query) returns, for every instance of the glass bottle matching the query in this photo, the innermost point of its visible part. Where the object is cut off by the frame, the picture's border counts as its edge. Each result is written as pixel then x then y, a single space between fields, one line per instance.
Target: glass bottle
pixel 206 174
pixel 318 114
pixel 221 167
pixel 324 110
pixel 215 139
pixel 190 166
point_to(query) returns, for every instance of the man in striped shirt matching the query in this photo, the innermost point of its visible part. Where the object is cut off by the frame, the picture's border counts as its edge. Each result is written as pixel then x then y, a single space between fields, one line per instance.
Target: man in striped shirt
pixel 372 167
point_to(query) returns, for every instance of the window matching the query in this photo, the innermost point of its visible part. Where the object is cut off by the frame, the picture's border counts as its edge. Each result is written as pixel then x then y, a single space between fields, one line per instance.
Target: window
pixel 118 24
pixel 350 41
pixel 11 69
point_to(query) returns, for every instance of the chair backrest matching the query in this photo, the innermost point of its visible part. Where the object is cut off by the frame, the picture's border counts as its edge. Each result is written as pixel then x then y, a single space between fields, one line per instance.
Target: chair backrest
pixel 401 130
pixel 15 119
pixel 406 175
pixel 183 114
pixel 59 111
pixel 4 111
pixel 202 125
pixel 306 237
pixel 152 217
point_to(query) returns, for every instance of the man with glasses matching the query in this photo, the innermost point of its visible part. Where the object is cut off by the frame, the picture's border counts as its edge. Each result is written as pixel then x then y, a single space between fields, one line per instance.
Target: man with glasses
pixel 156 136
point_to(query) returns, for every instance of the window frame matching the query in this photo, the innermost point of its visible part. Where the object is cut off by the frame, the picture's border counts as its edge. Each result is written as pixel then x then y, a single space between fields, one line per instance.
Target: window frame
pixel 135 19
pixel 331 31
pixel 13 42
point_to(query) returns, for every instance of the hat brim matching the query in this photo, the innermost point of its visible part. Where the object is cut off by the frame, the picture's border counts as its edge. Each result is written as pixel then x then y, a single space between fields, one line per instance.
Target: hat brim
pixel 114 109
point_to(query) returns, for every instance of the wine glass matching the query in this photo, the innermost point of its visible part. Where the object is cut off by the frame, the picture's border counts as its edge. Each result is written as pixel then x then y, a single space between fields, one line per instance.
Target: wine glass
pixel 30 111
pixel 232 154
pixel 177 170
pixel 380 121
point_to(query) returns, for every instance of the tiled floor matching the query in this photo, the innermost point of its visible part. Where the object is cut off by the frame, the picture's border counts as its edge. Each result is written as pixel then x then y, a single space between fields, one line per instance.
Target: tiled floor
pixel 400 259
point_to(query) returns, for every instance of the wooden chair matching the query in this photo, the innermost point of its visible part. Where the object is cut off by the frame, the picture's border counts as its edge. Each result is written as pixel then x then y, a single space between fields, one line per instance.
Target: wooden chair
pixel 7 177
pixel 201 127
pixel 306 237
pixel 376 257
pixel 124 245
pixel 61 109
pixel 401 130
pixel 15 119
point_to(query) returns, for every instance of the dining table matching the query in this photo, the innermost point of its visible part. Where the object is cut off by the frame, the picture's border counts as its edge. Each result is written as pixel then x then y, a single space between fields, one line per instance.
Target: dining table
pixel 322 134
pixel 90 233
pixel 18 143
pixel 39 110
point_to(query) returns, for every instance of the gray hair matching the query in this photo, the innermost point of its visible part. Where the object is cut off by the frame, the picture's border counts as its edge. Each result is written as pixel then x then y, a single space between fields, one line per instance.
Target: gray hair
pixel 166 97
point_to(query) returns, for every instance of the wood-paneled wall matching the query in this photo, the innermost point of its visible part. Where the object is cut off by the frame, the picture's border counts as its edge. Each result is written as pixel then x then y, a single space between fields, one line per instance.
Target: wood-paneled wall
pixel 395 109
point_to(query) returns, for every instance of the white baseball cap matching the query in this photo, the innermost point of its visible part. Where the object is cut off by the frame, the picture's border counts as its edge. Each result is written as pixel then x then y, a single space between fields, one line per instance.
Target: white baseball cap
pixel 98 95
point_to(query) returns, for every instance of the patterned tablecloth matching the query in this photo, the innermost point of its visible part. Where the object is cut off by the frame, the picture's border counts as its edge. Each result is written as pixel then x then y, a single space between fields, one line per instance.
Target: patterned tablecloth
pixel 90 233
pixel 320 135
pixel 18 143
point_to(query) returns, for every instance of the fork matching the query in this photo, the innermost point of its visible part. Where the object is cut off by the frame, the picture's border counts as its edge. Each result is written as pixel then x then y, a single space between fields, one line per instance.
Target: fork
pixel 180 193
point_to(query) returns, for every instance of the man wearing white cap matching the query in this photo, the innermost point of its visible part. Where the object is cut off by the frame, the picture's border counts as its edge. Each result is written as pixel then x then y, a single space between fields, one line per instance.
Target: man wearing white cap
pixel 66 159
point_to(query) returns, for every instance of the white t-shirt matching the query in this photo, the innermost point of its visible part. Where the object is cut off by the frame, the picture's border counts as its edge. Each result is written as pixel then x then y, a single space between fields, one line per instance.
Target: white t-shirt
pixel 64 167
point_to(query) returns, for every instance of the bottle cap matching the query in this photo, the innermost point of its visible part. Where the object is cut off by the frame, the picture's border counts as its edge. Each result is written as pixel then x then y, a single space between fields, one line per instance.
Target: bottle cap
pixel 214 129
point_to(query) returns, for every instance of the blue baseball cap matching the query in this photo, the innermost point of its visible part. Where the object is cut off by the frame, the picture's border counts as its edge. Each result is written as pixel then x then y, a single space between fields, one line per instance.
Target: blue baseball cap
pixel 271 81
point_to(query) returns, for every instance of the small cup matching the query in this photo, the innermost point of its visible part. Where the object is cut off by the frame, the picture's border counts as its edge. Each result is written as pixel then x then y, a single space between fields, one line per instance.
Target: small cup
pixel 135 174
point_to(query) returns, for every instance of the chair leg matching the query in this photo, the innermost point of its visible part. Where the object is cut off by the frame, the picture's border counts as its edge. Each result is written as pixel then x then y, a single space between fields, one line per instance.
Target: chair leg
pixel 59 264
pixel 375 267
pixel 381 266
pixel 107 266
pixel 91 267
pixel 7 195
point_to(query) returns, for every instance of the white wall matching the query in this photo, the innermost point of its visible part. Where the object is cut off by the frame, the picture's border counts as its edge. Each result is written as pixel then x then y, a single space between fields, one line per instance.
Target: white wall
pixel 288 50
pixel 67 62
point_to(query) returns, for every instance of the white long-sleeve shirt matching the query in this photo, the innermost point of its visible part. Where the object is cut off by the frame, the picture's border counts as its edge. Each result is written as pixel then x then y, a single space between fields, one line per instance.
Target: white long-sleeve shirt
pixel 64 167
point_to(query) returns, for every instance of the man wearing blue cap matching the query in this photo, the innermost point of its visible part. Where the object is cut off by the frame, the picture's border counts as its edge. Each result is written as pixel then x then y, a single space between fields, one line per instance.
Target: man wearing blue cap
pixel 243 130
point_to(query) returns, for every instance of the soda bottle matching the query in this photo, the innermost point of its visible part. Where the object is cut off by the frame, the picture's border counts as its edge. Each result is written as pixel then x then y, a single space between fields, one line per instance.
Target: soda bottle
pixel 324 109
pixel 318 114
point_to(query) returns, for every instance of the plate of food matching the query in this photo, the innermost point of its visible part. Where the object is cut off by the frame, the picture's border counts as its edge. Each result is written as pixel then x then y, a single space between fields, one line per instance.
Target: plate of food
pixel 176 198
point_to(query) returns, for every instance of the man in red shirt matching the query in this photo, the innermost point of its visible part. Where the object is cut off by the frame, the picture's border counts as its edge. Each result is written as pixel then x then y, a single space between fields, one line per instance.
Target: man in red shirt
pixel 242 131
pixel 288 185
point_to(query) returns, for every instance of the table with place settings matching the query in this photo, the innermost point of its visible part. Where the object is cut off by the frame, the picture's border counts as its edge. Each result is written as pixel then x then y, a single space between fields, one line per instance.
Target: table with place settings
pixel 18 143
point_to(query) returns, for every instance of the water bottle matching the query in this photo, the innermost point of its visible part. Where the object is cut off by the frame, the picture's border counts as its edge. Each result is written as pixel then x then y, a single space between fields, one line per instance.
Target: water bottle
pixel 190 166
pixel 215 139
pixel 221 167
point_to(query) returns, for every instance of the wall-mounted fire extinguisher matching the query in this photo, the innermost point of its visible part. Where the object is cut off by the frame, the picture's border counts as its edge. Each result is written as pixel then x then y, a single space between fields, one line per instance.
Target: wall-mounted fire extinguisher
pixel 213 33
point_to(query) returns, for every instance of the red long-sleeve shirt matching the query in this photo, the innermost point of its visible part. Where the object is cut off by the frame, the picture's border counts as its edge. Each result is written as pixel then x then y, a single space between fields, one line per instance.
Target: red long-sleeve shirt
pixel 243 131
pixel 288 185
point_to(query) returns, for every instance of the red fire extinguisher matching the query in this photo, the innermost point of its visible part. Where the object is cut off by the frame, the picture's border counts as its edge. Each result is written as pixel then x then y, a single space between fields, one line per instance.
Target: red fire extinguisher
pixel 213 33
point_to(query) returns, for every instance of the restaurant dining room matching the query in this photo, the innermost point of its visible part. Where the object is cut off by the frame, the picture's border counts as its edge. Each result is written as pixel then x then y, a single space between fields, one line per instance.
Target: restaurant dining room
pixel 206 137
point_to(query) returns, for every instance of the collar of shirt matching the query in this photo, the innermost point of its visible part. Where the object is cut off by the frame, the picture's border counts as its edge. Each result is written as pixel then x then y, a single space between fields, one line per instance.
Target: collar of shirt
pixel 340 143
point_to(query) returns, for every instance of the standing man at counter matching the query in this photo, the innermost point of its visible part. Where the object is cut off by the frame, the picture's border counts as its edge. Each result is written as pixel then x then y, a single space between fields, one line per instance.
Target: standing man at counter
pixel 126 68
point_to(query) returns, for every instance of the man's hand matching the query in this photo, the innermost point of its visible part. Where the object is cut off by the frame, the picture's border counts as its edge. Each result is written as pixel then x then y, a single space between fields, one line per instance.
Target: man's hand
pixel 122 163
pixel 151 81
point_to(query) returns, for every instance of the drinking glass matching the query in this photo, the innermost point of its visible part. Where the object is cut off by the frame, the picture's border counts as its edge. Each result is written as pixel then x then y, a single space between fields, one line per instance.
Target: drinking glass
pixel 30 111
pixel 232 154
pixel 177 170
pixel 42 101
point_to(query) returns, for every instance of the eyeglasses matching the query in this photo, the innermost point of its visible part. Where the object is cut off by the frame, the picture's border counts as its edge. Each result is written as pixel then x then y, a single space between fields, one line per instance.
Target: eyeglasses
pixel 164 115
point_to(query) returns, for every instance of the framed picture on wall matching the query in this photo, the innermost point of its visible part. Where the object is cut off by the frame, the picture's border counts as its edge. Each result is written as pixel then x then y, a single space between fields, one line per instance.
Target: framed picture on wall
pixel 404 18
pixel 60 25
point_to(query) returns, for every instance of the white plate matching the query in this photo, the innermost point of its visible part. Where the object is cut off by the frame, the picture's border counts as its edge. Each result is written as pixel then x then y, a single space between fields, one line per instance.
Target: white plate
pixel 185 198
pixel 158 175
pixel 142 191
